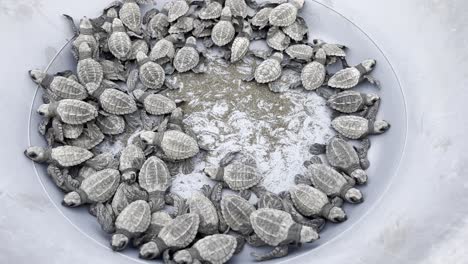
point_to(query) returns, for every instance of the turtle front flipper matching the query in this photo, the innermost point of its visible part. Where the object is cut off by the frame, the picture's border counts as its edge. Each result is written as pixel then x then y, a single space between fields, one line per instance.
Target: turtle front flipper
pixel 255 241
pixel 277 252
pixel 105 217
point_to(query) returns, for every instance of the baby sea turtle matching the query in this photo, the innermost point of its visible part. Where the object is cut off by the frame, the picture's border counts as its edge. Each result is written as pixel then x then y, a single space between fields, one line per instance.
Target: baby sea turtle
pixel 356 127
pixel 342 156
pixel 183 25
pixel 211 249
pixel 331 182
pixel 119 42
pixel 131 160
pixel 311 202
pixel 139 45
pixel 314 73
pixel 277 228
pixel 127 194
pixel 176 235
pixel 277 40
pixel 159 220
pixel 240 45
pixel 156 23
pixel 113 70
pixel 115 102
pixel 212 10
pixel 238 7
pixel 59 86
pixel 332 50
pixel 175 144
pixel 270 69
pixel 63 156
pixel 84 34
pixel 98 187
pixel 236 212
pixel 177 9
pixel 151 74
pixel 187 57
pixel 89 71
pixel 72 131
pixel 297 30
pixel 300 52
pixel 155 104
pixel 285 14
pixel 262 17
pixel 133 221
pixel 89 138
pixel 223 32
pixel 164 50
pixel 130 14
pixel 352 76
pixel 201 205
pixel 267 199
pixel 111 124
pixel 69 111
pixel 351 101
pixel 155 178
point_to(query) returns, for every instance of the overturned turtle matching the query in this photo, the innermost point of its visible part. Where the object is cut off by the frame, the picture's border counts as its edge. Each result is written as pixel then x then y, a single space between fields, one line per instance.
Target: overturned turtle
pixel 213 249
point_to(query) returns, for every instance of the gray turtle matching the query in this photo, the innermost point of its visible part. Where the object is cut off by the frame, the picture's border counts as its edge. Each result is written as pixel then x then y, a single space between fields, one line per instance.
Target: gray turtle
pixel 61 87
pixel 342 156
pixel 351 101
pixel 89 138
pixel 177 234
pixel 300 52
pixel 98 187
pixel 356 127
pixel 240 45
pixel 89 71
pixel 102 161
pixel 69 111
pixel 72 131
pixel 277 40
pixel 332 50
pixel 104 22
pixel 349 77
pixel 84 34
pixel 297 30
pixel 267 199
pixel 133 221
pixel 131 160
pixel 223 32
pixel 119 41
pixel 286 13
pixel 177 9
pixel 212 249
pixel 125 195
pixel 130 14
pixel 113 70
pixel 183 25
pixel 212 10
pixel 155 104
pixel 187 58
pixel 318 223
pixel 270 69
pixel 115 102
pixel 312 202
pixel 277 228
pixel 206 210
pixel 331 182
pixel 261 18
pixel 155 178
pixel 159 220
pixel 238 7
pixel 164 50
pixel 236 212
pixel 139 45
pixel 151 74
pixel 314 73
pixel 202 28
pixel 111 124
pixel 157 23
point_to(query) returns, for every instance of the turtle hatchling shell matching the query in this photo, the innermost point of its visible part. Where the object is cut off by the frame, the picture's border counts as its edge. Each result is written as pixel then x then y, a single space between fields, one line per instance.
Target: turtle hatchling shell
pixel 89 70
pixel 152 75
pixel 154 175
pixel 236 212
pixel 68 156
pixel 101 186
pixel 268 71
pixel 296 30
pixel 158 25
pixel 313 75
pixel 117 102
pixel 90 138
pixel 111 124
pixel 162 49
pixel 238 7
pixel 326 179
pixel 211 11
pixel 262 17
pixel 300 52
pixel 72 131
pixel 75 112
pixel 216 248
pixel 183 25
pixel 277 40
pixel 333 50
pixel 201 205
pixel 308 200
pixel 271 225
pixel 86 36
pixel 181 231
pixel 125 195
pixel 346 102
pixel 269 200
pixel 186 59
pixel 67 88
pixel 178 146
pixel 345 79
pixel 119 42
pixel 283 15
pixel 177 9
pixel 223 33
pixel 130 14
pixel 240 47
pixel 353 127
pixel 240 176
pixel 157 104
pixel 341 155
pixel 134 219
pixel 132 157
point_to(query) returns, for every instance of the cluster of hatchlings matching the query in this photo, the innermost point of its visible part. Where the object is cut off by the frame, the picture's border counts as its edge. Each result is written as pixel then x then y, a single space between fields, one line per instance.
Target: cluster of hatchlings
pixel 125 60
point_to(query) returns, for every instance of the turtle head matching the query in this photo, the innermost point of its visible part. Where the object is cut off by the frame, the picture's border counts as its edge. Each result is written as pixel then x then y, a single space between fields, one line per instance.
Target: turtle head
pixel 369 64
pixel 44 110
pixel 142 58
pixel 129 176
pixel 337 215
pixel 37 154
pixel 308 234
pixel 149 250
pixel 191 41
pixel 226 14
pixel 112 13
pixel 183 256
pixel 278 56
pixel 380 126
pixel 353 195
pixel 37 76
pixel 360 176
pixel 371 98
pixel 148 137
pixel 119 242
pixel 213 172
pixel 72 199
pixel 85 51
pixel 117 25
pixel 85 24
pixel 318 42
